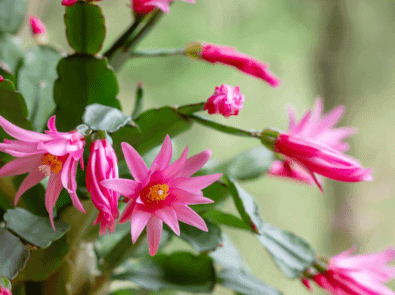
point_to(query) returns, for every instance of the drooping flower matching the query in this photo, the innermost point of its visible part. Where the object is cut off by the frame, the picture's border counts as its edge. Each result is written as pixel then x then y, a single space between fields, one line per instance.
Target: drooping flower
pixel 38 30
pixel 143 7
pixel 4 291
pixel 54 154
pixel 226 100
pixel 102 164
pixel 358 275
pixel 162 193
pixel 314 146
pixel 230 56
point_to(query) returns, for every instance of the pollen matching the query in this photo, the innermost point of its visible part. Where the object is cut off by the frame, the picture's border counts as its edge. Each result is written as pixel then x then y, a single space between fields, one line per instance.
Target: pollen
pixel 51 161
pixel 157 192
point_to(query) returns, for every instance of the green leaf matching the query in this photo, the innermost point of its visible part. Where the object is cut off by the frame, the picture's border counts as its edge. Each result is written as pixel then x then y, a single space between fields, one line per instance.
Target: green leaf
pixel 5 283
pixel 34 198
pixel 156 123
pixel 218 192
pixel 12 14
pixel 251 163
pixel 13 255
pixel 10 52
pixel 85 28
pixel 180 271
pixel 13 107
pixel 226 219
pixel 130 134
pixel 36 81
pixel 246 205
pixel 138 105
pixel 100 117
pixel 201 241
pixel 191 108
pixel 83 80
pixel 245 283
pixel 291 253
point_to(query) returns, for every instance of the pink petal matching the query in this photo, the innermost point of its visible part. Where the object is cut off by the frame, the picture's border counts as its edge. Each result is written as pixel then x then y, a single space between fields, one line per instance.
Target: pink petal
pixel 127 212
pixel 168 215
pixel 358 261
pixel 34 177
pixel 187 215
pixel 21 165
pixel 136 164
pixel 22 134
pixel 194 183
pixel 194 163
pixel 20 146
pixel 177 166
pixel 68 175
pixel 291 118
pixel 51 195
pixel 139 220
pixel 164 156
pixel 162 5
pixel 125 187
pixel 183 197
pixel 154 232
pixel 57 147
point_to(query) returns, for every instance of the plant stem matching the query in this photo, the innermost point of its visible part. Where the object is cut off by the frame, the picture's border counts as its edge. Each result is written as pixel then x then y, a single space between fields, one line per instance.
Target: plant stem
pixel 157 52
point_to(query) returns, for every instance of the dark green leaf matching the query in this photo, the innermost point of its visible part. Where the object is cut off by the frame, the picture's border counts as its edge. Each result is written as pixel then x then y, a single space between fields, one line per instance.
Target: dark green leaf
pixel 191 108
pixel 10 53
pixel 36 230
pixel 4 203
pixel 156 123
pixel 85 28
pixel 200 240
pixel 179 271
pixel 251 163
pixel 83 80
pixel 12 13
pixel 245 283
pixel 36 81
pixel 226 219
pixel 291 253
pixel 218 192
pixel 130 134
pixel 138 105
pixel 100 117
pixel 34 198
pixel 13 255
pixel 246 205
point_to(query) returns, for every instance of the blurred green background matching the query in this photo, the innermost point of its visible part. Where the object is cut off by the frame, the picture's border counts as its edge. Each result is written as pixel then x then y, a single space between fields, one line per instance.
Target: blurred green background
pixel 340 50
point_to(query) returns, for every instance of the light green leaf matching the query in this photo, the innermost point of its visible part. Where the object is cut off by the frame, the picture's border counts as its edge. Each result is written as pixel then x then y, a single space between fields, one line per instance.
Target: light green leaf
pixel 10 52
pixel 226 219
pixel 12 14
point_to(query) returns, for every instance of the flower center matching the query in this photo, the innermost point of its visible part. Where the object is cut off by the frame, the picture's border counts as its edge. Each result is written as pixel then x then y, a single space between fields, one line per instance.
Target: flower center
pixel 50 163
pixel 155 193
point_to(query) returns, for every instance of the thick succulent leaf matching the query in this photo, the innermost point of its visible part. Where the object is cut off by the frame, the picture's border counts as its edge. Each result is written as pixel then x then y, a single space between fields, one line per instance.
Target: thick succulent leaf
pixel 156 123
pixel 251 163
pixel 291 253
pixel 13 255
pixel 12 14
pixel 246 205
pixel 85 28
pixel 36 81
pixel 226 219
pixel 245 283
pixel 83 80
pixel 36 230
pixel 10 52
pixel 180 271
pixel 191 108
pixel 218 192
pixel 130 134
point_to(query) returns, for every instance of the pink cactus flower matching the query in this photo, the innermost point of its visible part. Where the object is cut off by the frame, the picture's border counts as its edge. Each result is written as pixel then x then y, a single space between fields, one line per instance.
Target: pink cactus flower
pixel 37 26
pixel 314 146
pixel 102 164
pixel 54 154
pixel 358 275
pixel 162 193
pixel 230 56
pixel 4 291
pixel 226 100
pixel 72 2
pixel 1 78
pixel 142 7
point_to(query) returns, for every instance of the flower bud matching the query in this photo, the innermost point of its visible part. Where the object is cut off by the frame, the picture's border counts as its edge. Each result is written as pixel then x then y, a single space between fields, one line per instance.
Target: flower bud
pixel 143 7
pixel 38 30
pixel 1 78
pixel 226 101
pixel 69 2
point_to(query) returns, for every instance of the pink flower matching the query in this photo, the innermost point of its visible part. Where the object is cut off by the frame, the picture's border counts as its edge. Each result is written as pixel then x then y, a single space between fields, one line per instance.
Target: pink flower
pixel 4 291
pixel 102 164
pixel 314 146
pixel 72 2
pixel 37 26
pixel 54 154
pixel 162 193
pixel 226 100
pixel 1 78
pixel 358 275
pixel 142 7
pixel 230 56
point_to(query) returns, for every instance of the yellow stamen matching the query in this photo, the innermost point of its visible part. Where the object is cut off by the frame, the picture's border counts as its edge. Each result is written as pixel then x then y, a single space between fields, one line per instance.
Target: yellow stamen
pixel 52 162
pixel 157 192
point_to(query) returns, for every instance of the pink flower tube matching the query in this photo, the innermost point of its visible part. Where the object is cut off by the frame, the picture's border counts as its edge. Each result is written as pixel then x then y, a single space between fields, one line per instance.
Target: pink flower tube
pixel 38 30
pixel 358 275
pixel 230 56
pixel 226 100
pixel 4 291
pixel 102 164
pixel 162 193
pixel 142 7
pixel 54 154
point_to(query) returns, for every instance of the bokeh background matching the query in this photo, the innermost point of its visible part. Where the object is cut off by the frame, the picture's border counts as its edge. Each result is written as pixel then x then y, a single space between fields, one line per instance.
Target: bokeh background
pixel 341 50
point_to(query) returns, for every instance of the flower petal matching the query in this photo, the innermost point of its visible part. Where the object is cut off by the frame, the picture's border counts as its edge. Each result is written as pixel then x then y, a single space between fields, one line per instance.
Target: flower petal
pixel 34 177
pixel 177 166
pixel 127 212
pixel 51 195
pixel 21 165
pixel 125 187
pixel 182 197
pixel 187 215
pixel 164 156
pixel 22 134
pixel 154 232
pixel 194 163
pixel 139 220
pixel 194 183
pixel 168 215
pixel 136 164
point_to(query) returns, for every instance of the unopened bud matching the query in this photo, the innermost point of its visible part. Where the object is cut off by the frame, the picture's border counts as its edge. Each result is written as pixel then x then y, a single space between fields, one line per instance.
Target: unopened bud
pixel 269 137
pixel 39 30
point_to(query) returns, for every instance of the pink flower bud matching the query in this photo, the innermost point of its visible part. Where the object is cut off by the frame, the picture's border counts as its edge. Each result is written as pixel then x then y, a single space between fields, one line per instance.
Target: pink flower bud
pixel 143 7
pixel 38 29
pixel 69 2
pixel 230 56
pixel 1 78
pixel 226 100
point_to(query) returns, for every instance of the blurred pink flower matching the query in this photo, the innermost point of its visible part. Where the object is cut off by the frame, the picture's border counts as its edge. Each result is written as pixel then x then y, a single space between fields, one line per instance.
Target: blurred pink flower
pixel 142 7
pixel 1 78
pixel 54 154
pixel 4 291
pixel 358 275
pixel 162 193
pixel 314 146
pixel 72 2
pixel 226 100
pixel 37 26
pixel 102 164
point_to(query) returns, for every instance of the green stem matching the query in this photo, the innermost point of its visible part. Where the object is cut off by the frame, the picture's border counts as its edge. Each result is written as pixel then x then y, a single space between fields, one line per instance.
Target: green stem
pixel 157 52
pixel 190 108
